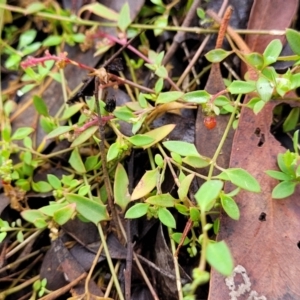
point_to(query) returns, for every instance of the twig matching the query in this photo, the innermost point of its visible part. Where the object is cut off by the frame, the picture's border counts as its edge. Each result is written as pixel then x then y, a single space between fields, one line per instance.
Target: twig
pixel 55 294
pixel 179 36
pixel 98 95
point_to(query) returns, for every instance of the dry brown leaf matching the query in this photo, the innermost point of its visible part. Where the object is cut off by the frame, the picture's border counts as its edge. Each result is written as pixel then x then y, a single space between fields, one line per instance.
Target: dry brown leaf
pixel 264 242
pixel 266 249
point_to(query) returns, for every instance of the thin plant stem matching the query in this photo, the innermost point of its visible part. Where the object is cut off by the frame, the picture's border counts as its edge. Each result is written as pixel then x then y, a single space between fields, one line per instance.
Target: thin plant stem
pixel 23 244
pixel 110 263
pixel 98 95
pixel 225 134
pixel 176 265
pixel 109 286
pixel 18 288
pixel 89 276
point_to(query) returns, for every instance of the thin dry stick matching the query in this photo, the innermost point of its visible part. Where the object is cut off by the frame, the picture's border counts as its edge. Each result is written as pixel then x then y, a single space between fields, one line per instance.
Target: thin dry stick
pixel 95 261
pixel 107 183
pixel 179 36
pixel 152 291
pixel 199 51
pixel 64 289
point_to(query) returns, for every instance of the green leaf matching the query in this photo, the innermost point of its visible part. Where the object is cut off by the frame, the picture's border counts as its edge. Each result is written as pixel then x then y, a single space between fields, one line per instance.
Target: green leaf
pixel 194 214
pixel 185 186
pixel 162 72
pixel 159 133
pixel 158 86
pixel 264 88
pixel 12 62
pixel 196 161
pixel 50 209
pixel 136 211
pixel 76 161
pixel 146 184
pixel 197 97
pixel 295 141
pixel 71 111
pixel 31 48
pixel 292 119
pixel 164 200
pixel 166 217
pixel 181 148
pixel 217 55
pixel 242 87
pixel 101 10
pixel 160 23
pixel 230 207
pixel 159 58
pixel 93 211
pixel 40 106
pixel 258 106
pixel 121 193
pixel 63 215
pixel 208 193
pixel 219 257
pixel 21 133
pixel 140 140
pixel 216 226
pixel 84 190
pixel 52 40
pixel 47 124
pixel 124 113
pixel 241 178
pixel 177 238
pixel 159 160
pixel 113 151
pixel 41 187
pixel 272 52
pixel 23 184
pixel 255 60
pixel 124 17
pixel 84 136
pixel 2 236
pixel 92 163
pixel 182 209
pixel 222 101
pixel 34 7
pixel 26 38
pixel 59 131
pixel 78 37
pixel 284 189
pixel 33 215
pixel 278 175
pixel 295 81
pixel 293 38
pixel 54 181
pixel 167 97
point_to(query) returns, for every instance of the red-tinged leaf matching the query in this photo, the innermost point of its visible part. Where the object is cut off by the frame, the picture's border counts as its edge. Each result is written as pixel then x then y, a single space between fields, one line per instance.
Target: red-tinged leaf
pixel 146 184
pixel 159 133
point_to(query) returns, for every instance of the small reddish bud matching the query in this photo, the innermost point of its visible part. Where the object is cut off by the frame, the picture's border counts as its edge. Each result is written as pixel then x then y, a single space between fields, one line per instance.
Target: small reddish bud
pixel 210 122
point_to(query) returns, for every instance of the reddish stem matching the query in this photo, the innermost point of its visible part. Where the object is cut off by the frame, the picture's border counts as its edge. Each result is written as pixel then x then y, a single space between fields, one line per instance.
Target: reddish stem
pixel 104 120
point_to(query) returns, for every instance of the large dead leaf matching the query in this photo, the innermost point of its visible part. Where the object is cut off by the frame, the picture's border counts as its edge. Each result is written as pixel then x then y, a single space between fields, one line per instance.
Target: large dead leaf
pixel 269 15
pixel 264 242
pixel 266 249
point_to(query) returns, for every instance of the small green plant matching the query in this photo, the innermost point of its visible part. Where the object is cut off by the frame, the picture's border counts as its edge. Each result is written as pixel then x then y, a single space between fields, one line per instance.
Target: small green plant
pixel 289 174
pixel 96 185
